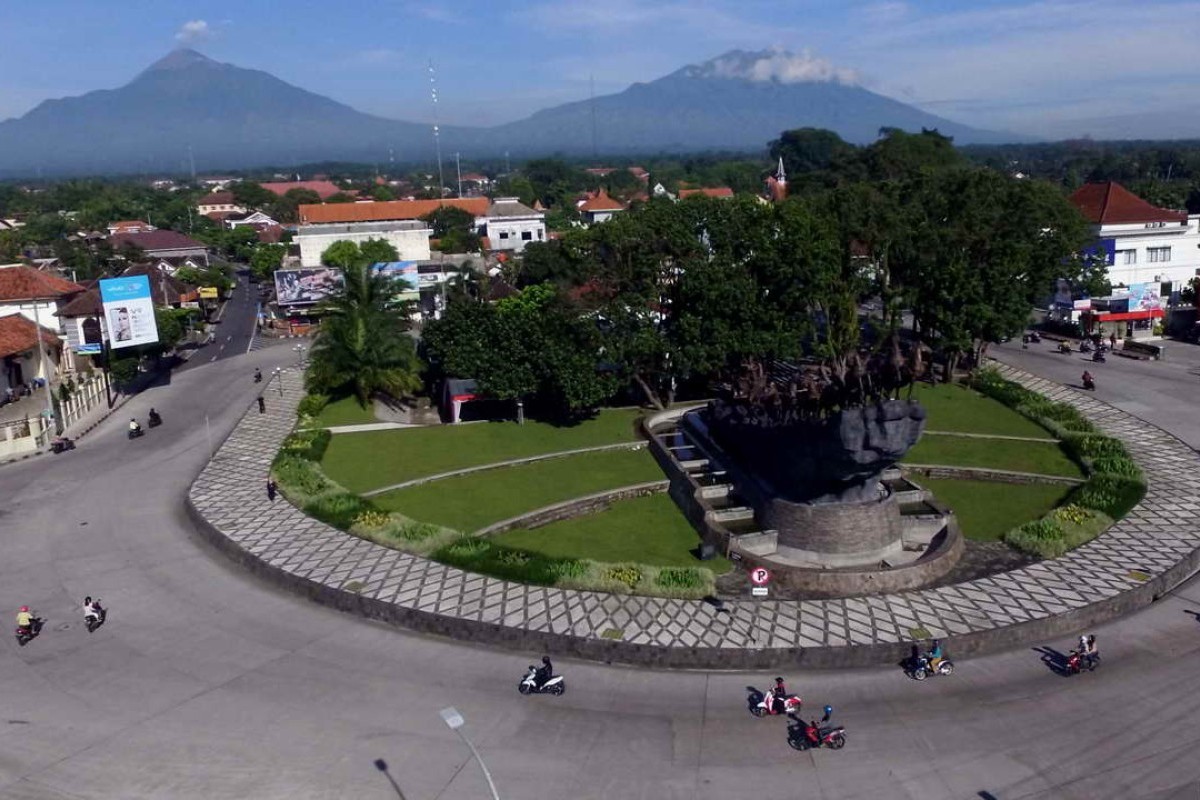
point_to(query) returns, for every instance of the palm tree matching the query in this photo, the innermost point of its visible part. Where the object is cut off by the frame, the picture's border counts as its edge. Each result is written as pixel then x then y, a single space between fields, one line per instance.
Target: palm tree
pixel 363 346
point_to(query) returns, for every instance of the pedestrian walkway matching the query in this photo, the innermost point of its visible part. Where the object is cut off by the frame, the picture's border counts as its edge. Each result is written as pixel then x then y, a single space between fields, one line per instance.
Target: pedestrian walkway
pixel 1147 553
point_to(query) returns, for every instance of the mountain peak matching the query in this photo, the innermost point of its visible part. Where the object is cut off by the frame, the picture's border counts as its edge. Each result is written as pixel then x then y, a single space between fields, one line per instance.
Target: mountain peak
pixel 771 66
pixel 181 58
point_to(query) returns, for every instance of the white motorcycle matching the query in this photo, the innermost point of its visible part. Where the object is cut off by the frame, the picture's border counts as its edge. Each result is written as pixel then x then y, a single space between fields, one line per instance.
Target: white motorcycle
pixel 529 684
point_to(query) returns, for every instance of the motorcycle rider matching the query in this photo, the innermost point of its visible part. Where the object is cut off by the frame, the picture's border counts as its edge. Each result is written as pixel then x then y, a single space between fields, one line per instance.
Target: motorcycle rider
pixel 134 427
pixel 25 618
pixel 1088 380
pixel 812 729
pixel 544 673
pixel 92 609
pixel 257 375
pixel 155 419
pixel 935 654
pixel 778 697
pixel 1089 651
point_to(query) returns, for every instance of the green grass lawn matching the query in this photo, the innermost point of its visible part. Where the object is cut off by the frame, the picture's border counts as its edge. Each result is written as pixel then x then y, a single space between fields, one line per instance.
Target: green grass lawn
pixel 986 509
pixel 1040 457
pixel 346 411
pixel 473 501
pixel 365 461
pixel 957 408
pixel 648 530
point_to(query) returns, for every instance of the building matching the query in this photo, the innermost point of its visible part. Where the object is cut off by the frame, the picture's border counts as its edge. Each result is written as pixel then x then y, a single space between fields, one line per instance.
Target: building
pixel 1144 243
pixel 160 244
pixel 82 318
pixel 20 362
pixel 599 207
pixel 129 226
pixel 714 191
pixel 509 225
pixel 324 189
pixel 255 219
pixel 219 205
pixel 409 237
pixel 775 188
pixel 387 210
pixel 35 296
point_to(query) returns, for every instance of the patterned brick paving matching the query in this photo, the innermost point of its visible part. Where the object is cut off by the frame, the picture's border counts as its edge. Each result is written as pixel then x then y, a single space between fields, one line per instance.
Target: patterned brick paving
pixel 230 493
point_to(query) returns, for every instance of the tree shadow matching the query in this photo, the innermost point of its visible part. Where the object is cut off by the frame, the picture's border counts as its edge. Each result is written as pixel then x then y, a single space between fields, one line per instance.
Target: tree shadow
pixel 382 766
pixel 1055 660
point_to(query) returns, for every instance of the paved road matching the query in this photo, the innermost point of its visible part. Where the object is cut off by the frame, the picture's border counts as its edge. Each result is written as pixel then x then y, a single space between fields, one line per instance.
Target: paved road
pixel 235 331
pixel 206 683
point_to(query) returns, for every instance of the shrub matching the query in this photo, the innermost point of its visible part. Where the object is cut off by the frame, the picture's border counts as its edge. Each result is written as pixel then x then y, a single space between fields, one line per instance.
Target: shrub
pixel 312 404
pixel 339 508
pixel 372 519
pixel 1117 465
pixel 1112 495
pixel 680 578
pixel 569 570
pixel 299 478
pixel 417 531
pixel 1073 514
pixel 1094 445
pixel 626 574
pixel 310 444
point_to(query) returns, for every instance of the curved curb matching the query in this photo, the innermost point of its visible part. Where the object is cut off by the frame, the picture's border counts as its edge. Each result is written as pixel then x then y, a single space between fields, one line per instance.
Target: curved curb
pixel 575 507
pixel 986 474
pixel 1132 564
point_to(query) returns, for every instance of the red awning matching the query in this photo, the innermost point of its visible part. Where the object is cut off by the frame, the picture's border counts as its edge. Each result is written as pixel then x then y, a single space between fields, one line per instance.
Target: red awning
pixel 1154 313
pixel 462 398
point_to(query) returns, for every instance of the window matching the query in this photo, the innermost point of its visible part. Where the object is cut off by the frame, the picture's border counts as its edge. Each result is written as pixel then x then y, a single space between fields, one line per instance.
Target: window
pixel 526 236
pixel 1125 257
pixel 504 235
pixel 1158 255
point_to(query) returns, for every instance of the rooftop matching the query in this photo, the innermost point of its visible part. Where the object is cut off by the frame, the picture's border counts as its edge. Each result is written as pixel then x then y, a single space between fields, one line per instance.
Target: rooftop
pixel 322 188
pixel 510 207
pixel 601 202
pixel 363 227
pixel 18 334
pixel 20 282
pixel 379 211
pixel 155 240
pixel 1110 203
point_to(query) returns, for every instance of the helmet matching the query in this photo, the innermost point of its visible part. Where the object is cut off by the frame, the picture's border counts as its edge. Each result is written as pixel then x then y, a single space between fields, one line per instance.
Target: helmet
pixel 937 642
pixel 828 710
pixel 24 608
pixel 545 659
pixel 779 680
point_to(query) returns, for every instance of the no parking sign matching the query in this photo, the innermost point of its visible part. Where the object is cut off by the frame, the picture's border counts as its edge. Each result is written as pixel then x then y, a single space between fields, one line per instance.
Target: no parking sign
pixel 760 577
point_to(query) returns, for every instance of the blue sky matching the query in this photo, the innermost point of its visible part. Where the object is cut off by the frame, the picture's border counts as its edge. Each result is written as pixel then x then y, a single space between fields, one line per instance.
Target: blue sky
pixel 1021 65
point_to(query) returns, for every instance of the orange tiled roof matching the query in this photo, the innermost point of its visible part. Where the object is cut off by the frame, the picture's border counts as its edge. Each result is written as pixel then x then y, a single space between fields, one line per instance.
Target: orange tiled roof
pixel 1110 203
pixel 719 191
pixel 386 211
pixel 26 283
pixel 322 188
pixel 18 334
pixel 601 202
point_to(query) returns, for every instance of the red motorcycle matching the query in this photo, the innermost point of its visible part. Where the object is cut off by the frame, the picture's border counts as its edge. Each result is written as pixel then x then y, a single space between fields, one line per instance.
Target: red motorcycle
pixel 27 633
pixel 810 735
pixel 767 705
pixel 1076 663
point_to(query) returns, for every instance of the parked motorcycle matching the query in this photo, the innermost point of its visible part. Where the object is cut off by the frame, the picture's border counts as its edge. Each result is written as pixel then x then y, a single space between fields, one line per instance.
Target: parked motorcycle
pixel 764 705
pixel 529 685
pixel 27 633
pixel 1076 663
pixel 809 735
pixel 922 668
pixel 61 445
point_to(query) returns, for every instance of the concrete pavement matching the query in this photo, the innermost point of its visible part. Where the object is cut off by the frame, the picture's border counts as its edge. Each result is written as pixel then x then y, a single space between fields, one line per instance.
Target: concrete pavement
pixel 207 683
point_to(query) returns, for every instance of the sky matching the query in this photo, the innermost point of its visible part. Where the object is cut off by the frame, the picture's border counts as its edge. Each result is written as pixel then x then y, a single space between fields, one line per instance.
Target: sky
pixel 1041 67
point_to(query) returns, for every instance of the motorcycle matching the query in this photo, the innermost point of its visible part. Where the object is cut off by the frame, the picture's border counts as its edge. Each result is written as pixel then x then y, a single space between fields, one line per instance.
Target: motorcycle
pixel 93 622
pixel 61 445
pixel 257 376
pixel 1063 347
pixel 763 705
pixel 808 735
pixel 922 669
pixel 529 684
pixel 27 633
pixel 155 419
pixel 1085 346
pixel 1099 357
pixel 135 433
pixel 1077 664
pixel 1035 337
pixel 1089 383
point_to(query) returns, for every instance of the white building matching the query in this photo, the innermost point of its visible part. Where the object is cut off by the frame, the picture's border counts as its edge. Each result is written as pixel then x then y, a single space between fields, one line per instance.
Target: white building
pixel 219 203
pixel 509 225
pixel 409 237
pixel 1149 244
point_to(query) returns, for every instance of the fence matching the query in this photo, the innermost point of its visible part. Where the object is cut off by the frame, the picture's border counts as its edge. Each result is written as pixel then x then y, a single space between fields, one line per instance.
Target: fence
pixel 24 436
pixel 36 431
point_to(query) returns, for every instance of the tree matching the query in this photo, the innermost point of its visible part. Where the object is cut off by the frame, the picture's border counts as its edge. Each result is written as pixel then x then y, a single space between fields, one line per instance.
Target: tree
pixel 374 251
pixel 348 255
pixel 363 347
pixel 382 193
pixel 812 150
pixel 444 219
pixel 898 154
pixel 265 259
pixel 339 197
pixel 252 195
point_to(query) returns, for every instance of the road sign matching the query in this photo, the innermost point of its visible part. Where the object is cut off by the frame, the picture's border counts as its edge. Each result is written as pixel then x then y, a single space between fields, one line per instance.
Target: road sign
pixel 758 591
pixel 760 576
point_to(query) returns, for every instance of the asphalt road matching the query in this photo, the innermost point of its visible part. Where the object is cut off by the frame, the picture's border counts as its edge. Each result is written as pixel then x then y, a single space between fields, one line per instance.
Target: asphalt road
pixel 206 683
pixel 235 330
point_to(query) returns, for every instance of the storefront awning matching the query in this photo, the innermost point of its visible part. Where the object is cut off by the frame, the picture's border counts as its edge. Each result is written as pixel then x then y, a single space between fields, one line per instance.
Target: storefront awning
pixel 1128 316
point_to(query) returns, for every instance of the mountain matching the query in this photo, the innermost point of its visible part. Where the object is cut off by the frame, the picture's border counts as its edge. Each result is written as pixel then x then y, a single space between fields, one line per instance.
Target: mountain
pixel 737 101
pixel 187 106
pixel 229 116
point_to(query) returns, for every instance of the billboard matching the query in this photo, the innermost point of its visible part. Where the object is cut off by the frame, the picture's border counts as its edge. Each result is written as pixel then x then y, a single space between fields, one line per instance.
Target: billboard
pixel 129 311
pixel 307 286
pixel 1144 297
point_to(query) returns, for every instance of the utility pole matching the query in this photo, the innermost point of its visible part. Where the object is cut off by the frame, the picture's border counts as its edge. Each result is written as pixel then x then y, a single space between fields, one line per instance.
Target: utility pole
pixel 437 142
pixel 192 162
pixel 458 169
pixel 507 166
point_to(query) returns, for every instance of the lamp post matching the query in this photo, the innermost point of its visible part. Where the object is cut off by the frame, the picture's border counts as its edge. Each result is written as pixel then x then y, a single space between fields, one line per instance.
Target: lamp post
pixel 299 353
pixel 279 381
pixel 41 350
pixel 454 721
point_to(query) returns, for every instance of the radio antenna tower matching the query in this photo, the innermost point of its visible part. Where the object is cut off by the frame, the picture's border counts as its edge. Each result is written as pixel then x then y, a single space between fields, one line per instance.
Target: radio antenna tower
pixel 437 141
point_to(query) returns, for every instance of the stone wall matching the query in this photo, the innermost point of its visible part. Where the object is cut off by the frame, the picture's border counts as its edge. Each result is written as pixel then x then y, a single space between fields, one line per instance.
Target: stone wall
pixel 868 530
pixel 576 507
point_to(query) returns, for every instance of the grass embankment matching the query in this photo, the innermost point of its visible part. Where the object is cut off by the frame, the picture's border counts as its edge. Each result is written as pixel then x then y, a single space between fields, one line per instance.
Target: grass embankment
pixel 473 501
pixel 345 411
pixel 1043 458
pixel 952 407
pixel 986 510
pixel 365 461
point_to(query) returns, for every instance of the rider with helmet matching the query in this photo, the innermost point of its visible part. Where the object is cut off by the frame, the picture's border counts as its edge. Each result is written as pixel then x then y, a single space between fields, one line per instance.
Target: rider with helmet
pixel 779 696
pixel 24 618
pixel 545 672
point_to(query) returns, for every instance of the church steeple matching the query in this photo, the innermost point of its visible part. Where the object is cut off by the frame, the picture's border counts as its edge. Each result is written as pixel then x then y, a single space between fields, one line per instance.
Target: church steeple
pixel 780 175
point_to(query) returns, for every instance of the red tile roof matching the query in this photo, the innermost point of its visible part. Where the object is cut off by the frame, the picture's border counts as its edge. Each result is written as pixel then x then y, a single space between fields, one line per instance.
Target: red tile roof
pixel 387 211
pixel 85 304
pixel 26 283
pixel 129 226
pixel 155 240
pixel 322 188
pixel 601 202
pixel 719 191
pixel 18 334
pixel 1110 203
pixel 217 199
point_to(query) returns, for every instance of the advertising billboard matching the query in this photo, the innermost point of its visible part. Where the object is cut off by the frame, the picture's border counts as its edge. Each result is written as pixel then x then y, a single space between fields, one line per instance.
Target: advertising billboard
pixel 1144 297
pixel 295 287
pixel 129 311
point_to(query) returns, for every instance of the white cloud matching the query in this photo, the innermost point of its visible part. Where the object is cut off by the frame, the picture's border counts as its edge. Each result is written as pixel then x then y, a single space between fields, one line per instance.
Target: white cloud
pixel 192 31
pixel 783 67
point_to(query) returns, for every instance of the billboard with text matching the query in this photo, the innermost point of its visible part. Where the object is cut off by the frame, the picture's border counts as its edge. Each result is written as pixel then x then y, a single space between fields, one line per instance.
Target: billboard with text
pixel 129 311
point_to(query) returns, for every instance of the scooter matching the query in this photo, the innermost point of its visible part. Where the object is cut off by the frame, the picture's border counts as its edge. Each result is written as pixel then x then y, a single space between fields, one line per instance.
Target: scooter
pixel 155 419
pixel 1089 383
pixel 61 445
pixel 810 735
pixel 1099 357
pixel 1063 347
pixel 763 705
pixel 1035 337
pixel 135 433
pixel 27 633
pixel 921 669
pixel 1077 664
pixel 529 685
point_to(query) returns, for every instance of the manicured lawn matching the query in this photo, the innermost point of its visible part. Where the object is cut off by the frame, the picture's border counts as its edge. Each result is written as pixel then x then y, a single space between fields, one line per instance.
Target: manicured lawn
pixel 647 530
pixel 1040 457
pixel 365 461
pixel 957 408
pixel 346 411
pixel 470 502
pixel 986 509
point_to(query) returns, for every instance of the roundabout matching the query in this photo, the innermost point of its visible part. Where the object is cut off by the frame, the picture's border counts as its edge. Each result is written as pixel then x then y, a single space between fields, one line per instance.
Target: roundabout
pixel 206 682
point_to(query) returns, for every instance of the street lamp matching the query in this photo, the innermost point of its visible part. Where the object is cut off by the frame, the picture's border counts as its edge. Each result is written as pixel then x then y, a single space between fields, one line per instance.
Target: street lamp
pixel 279 381
pixel 454 721
pixel 300 353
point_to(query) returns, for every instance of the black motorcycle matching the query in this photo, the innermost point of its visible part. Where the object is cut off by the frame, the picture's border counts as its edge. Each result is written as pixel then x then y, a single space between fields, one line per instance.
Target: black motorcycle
pixel 61 445
pixel 1099 357
pixel 136 432
pixel 155 419
pixel 27 633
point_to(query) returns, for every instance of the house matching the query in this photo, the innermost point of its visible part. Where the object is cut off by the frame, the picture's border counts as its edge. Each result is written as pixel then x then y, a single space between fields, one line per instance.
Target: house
pixel 161 244
pixel 219 205
pixel 20 361
pixel 35 295
pixel 10 224
pixel 599 207
pixel 129 226
pixel 409 237
pixel 270 234
pixel 1143 243
pixel 386 210
pixel 718 192
pixel 173 264
pixel 324 189
pixel 255 219
pixel 639 173
pixel 216 183
pixel 475 183
pixel 509 225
